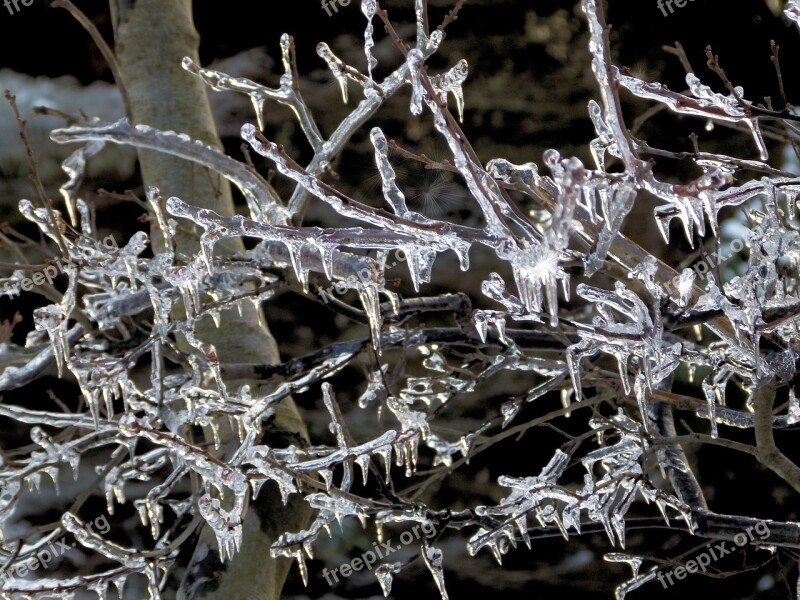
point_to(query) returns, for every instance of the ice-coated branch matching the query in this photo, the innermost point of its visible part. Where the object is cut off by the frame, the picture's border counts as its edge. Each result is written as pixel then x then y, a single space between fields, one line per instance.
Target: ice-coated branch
pixel 607 79
pixel 704 104
pixel 288 93
pixel 16 377
pixel 340 71
pixel 264 205
pixel 484 189
pixel 430 229
pixel 430 384
pixel 366 108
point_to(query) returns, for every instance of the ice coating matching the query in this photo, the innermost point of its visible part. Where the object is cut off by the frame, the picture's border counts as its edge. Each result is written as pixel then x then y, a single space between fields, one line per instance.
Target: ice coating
pixel 544 225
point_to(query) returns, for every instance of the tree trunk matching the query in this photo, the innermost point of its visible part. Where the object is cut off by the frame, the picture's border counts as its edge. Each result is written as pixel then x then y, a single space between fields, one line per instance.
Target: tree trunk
pixel 152 36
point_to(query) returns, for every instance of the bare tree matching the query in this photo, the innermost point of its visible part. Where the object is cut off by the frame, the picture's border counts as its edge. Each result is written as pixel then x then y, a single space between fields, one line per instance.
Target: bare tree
pixel 184 403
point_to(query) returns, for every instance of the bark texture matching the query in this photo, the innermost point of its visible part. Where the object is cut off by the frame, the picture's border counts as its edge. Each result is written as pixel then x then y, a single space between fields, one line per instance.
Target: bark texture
pixel 151 38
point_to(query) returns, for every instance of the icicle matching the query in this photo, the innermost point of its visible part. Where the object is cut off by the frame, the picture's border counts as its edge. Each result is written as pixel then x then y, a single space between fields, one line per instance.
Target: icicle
pixel 54 319
pixel 792 10
pixel 335 65
pixel 791 204
pixel 415 60
pixel 327 477
pixel 295 251
pixel 227 526
pixel 711 405
pixel 481 322
pixel 370 9
pixel 336 427
pixel 363 462
pixel 450 82
pixel 566 395
pixel 536 267
pixel 462 252
pixel 372 307
pixel 376 388
pixel 640 390
pixel 75 167
pixel 385 575
pixel 386 455
pixel 391 192
pixel 758 138
pixel 637 580
pixel 433 559
pixel 326 255
pixel 207 242
pixel 685 287
pixel 420 263
pixel 119 583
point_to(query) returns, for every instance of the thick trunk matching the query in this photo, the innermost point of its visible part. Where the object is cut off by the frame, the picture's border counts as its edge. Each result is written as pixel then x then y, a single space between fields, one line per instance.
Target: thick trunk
pixel 152 36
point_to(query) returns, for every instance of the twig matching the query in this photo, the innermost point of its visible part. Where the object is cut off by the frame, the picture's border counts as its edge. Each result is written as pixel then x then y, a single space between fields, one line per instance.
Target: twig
pixel 777 63
pixel 105 50
pixel 37 180
pixel 750 165
pixel 767 451
pixel 677 50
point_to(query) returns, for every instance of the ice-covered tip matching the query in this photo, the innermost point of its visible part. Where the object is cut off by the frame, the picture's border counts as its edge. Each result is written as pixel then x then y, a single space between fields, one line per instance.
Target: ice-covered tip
pixel 505 171
pixel 451 82
pixel 369 8
pixel 323 51
pixel 38 436
pixel 177 207
pixel 415 60
pixel 378 140
pixel 792 10
pixel 589 6
pixel 433 559
pixel 385 576
pixel 129 425
pixel 335 65
pixel 286 56
pixel 394 196
pixel 248 132
pixel 26 208
pixel 436 38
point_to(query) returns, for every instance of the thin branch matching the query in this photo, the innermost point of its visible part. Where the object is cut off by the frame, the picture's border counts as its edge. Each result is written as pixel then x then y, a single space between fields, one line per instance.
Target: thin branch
pixel 102 45
pixel 37 180
pixel 767 451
